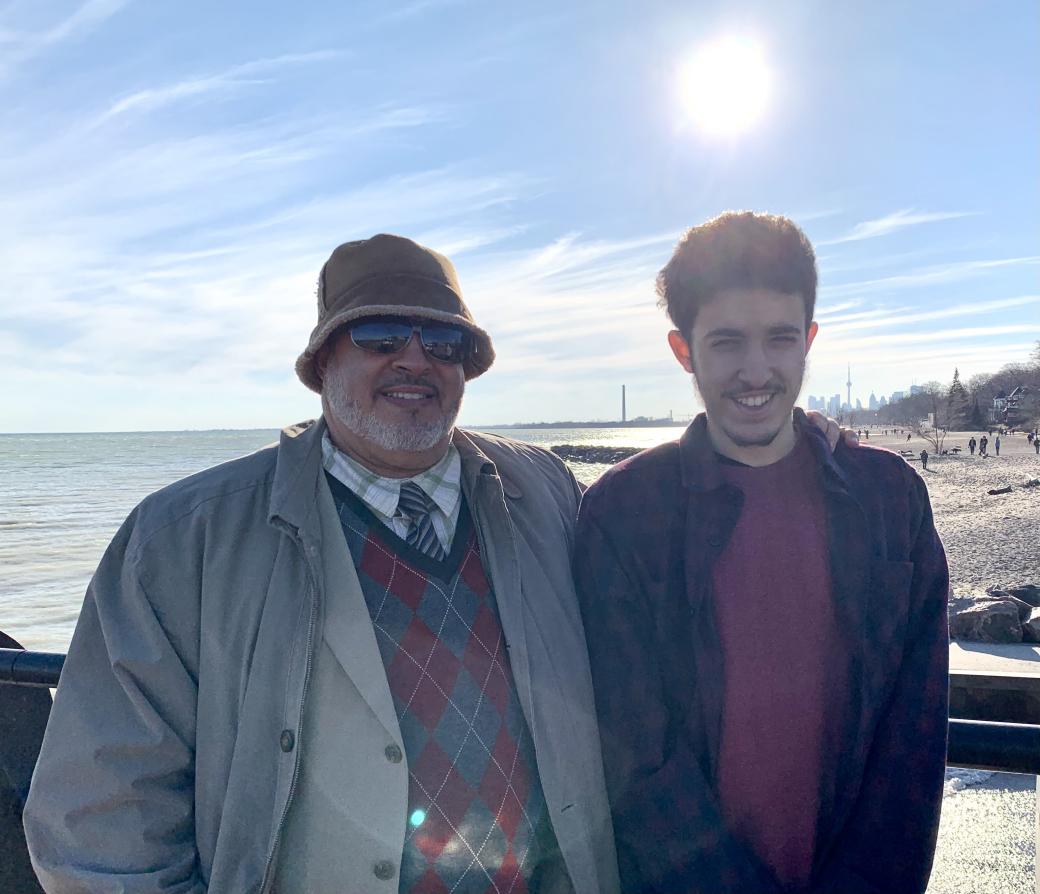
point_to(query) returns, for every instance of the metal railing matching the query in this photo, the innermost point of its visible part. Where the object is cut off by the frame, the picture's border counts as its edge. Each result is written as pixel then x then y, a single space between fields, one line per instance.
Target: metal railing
pixel 975 744
pixel 25 668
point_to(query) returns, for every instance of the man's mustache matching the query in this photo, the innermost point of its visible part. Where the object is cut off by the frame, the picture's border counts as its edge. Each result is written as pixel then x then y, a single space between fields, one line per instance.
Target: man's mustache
pixel 743 390
pixel 414 381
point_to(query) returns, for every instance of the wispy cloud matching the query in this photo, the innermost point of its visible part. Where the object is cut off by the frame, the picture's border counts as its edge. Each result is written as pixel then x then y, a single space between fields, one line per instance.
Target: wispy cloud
pixel 89 15
pixel 84 19
pixel 248 73
pixel 945 336
pixel 841 307
pixel 892 223
pixel 902 316
pixel 417 8
pixel 936 274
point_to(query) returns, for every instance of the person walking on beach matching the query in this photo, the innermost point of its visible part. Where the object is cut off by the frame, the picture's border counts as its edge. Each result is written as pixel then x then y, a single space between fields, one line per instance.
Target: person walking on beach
pixel 983 444
pixel 766 620
pixel 996 445
pixel 971 445
pixel 349 662
pixel 924 460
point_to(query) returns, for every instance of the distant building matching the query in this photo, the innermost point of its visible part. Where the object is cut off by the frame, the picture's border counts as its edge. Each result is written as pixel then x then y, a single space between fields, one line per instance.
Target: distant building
pixel 883 402
pixel 873 402
pixel 896 396
pixel 915 389
pixel 1006 407
pixel 859 404
pixel 834 405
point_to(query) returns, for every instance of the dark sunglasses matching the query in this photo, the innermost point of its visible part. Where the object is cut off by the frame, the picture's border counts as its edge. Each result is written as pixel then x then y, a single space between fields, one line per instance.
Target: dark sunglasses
pixel 442 341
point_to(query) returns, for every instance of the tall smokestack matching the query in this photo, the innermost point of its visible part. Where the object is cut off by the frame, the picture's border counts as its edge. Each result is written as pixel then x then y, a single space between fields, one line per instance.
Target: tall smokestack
pixel 623 417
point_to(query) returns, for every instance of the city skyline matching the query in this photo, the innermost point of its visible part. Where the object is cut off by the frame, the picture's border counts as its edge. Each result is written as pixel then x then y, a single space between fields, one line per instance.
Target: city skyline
pixel 873 401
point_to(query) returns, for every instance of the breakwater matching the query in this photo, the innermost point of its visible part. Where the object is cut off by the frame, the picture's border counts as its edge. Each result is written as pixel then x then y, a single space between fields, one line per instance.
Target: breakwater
pixel 589 454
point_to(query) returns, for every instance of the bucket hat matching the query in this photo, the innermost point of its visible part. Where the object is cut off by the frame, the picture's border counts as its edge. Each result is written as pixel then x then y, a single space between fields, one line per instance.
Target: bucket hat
pixel 389 275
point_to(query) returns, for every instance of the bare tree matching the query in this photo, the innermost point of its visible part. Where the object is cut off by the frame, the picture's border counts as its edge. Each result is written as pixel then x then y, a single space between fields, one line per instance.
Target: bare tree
pixel 933 429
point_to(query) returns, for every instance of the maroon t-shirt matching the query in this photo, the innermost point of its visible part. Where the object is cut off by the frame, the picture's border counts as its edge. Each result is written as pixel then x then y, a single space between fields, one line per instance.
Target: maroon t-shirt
pixel 776 622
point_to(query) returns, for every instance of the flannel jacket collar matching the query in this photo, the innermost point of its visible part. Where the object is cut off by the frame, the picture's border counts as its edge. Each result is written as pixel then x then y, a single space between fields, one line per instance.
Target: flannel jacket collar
pixel 701 470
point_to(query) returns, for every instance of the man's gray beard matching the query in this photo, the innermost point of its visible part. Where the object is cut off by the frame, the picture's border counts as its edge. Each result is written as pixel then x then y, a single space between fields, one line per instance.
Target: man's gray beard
pixel 411 437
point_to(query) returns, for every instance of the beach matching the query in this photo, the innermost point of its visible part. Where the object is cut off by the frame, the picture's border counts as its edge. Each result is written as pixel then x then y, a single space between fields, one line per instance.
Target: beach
pixel 989 539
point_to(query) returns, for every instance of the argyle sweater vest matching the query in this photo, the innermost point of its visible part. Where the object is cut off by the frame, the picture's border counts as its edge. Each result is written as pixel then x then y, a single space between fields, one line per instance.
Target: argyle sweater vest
pixel 477 817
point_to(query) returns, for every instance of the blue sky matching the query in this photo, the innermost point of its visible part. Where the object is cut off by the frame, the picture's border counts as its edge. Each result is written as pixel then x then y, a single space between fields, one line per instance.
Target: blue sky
pixel 173 175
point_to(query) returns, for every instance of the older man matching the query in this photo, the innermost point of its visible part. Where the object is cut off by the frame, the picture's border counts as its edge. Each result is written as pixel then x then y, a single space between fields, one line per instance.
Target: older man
pixel 351 662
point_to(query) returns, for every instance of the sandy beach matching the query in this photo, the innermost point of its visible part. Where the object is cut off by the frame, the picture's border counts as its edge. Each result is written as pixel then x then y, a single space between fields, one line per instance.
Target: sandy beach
pixel 989 539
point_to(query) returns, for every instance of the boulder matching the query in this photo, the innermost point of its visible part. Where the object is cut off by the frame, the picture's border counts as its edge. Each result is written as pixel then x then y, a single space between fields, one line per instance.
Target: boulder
pixel 985 620
pixel 1024 608
pixel 1028 593
pixel 1031 627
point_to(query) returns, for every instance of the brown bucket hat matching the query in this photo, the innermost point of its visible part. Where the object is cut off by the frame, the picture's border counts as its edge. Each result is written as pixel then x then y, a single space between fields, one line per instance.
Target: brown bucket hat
pixel 389 276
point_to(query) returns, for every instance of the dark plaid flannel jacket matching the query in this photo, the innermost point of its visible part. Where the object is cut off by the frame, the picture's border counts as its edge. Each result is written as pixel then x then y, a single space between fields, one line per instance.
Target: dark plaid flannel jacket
pixel 648 534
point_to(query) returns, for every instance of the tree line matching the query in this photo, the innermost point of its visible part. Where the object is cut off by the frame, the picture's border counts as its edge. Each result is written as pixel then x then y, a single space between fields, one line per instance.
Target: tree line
pixel 967 406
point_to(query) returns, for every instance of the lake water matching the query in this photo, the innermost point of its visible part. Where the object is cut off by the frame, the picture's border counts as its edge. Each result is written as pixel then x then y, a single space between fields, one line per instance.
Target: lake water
pixel 62 498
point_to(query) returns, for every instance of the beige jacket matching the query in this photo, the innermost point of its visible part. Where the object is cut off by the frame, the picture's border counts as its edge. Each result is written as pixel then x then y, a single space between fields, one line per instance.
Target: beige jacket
pixel 173 751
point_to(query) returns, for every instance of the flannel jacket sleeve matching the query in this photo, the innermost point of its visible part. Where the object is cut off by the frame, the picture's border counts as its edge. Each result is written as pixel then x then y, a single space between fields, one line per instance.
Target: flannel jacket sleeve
pixel 889 839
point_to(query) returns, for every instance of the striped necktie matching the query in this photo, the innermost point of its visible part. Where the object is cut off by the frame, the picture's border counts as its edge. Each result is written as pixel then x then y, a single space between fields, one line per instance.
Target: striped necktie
pixel 416 506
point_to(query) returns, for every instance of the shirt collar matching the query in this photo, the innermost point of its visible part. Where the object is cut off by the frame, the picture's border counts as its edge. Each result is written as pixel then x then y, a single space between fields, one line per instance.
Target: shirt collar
pixel 441 482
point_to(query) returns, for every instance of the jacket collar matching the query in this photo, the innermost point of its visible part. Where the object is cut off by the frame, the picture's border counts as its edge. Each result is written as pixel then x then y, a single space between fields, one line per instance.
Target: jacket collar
pixel 298 471
pixel 476 463
pixel 701 470
pixel 297 474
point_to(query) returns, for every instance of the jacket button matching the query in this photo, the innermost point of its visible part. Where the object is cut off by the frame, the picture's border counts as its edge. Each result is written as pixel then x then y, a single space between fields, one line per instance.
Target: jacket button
pixel 287 740
pixel 393 754
pixel 383 870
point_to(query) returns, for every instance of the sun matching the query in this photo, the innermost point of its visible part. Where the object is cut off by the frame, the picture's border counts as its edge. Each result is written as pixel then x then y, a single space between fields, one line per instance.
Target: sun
pixel 724 87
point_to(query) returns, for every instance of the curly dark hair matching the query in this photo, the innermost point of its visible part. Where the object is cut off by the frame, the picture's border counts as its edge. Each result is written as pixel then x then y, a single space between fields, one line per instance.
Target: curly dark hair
pixel 736 250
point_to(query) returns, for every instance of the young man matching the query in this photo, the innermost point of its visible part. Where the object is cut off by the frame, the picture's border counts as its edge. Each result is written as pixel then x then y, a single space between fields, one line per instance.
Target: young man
pixel 766 620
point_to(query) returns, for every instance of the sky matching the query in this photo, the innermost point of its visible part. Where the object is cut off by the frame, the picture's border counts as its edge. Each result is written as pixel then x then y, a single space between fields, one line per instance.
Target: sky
pixel 173 176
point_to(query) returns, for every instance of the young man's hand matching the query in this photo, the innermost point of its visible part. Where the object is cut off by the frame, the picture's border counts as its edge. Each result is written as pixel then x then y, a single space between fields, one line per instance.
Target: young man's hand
pixel 832 430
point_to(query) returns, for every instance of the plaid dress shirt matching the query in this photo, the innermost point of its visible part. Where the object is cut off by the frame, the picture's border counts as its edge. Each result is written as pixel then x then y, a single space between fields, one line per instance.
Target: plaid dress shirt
pixel 442 483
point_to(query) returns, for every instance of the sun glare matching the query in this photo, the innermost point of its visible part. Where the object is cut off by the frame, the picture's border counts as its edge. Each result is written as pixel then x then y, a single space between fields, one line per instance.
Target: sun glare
pixel 724 87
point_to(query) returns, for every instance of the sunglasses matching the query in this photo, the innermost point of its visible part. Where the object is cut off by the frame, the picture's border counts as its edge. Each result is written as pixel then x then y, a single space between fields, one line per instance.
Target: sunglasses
pixel 442 341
